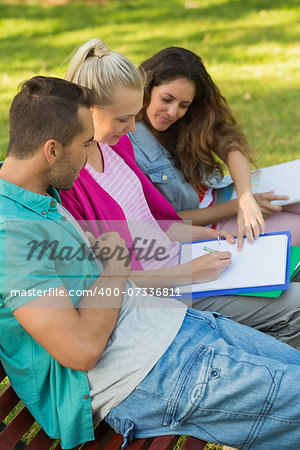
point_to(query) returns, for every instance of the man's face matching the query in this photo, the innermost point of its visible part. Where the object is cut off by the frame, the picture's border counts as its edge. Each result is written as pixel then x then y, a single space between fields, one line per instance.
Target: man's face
pixel 74 156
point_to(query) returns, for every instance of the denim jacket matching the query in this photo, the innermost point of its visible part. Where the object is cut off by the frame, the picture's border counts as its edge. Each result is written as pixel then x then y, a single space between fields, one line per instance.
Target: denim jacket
pixel 157 163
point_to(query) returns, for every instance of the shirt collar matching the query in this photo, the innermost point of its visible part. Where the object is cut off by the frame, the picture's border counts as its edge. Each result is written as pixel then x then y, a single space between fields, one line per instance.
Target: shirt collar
pixel 41 204
pixel 146 141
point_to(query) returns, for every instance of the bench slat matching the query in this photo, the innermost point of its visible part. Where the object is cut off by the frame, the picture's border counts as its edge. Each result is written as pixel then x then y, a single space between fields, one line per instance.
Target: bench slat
pixel 2 373
pixel 41 441
pixel 11 434
pixel 139 444
pixel 192 443
pixel 165 442
pixel 105 437
pixel 9 400
pixel 114 443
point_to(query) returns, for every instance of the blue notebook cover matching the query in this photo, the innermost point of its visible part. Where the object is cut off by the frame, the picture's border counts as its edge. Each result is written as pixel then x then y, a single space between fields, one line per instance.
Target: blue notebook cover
pixel 245 289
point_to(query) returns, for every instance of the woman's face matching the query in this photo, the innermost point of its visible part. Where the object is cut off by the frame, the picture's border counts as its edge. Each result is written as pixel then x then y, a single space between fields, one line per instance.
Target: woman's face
pixel 169 102
pixel 118 119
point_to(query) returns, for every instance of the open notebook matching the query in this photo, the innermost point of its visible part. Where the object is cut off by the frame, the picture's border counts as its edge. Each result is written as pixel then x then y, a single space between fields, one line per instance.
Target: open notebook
pixel 294 269
pixel 283 178
pixel 261 266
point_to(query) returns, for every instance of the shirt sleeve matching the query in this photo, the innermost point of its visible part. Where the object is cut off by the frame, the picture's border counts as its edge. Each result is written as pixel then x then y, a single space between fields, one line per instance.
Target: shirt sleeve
pixel 25 274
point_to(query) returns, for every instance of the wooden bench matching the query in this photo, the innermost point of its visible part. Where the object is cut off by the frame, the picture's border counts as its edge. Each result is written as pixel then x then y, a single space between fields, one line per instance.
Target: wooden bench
pixel 105 437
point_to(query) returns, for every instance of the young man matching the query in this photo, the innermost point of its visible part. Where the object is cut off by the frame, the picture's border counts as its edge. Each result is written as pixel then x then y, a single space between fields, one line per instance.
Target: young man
pixel 79 340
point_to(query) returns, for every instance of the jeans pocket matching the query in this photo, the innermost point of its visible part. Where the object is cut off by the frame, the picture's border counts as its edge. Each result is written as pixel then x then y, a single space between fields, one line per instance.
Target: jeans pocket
pixel 190 387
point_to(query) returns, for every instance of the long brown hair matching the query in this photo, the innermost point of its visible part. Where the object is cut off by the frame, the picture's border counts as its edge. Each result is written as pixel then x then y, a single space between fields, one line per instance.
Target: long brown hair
pixel 207 128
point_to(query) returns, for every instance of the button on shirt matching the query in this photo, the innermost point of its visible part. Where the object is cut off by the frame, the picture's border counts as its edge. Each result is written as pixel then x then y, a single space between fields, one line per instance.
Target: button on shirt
pixel 28 223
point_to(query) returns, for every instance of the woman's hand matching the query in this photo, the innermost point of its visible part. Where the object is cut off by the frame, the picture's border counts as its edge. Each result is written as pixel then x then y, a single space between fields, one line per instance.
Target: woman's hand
pixel 251 210
pixel 250 221
pixel 264 201
pixel 209 267
pixel 205 233
pixel 228 235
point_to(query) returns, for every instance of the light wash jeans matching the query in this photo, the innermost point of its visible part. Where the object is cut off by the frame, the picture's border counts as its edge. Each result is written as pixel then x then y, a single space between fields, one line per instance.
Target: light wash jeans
pixel 218 381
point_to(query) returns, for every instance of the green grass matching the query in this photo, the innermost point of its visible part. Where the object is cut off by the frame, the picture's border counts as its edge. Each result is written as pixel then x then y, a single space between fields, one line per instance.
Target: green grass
pixel 250 47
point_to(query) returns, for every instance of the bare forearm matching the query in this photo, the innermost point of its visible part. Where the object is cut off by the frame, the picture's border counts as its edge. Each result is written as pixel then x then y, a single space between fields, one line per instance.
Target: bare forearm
pixel 183 232
pixel 239 168
pixel 98 313
pixel 74 337
pixel 211 214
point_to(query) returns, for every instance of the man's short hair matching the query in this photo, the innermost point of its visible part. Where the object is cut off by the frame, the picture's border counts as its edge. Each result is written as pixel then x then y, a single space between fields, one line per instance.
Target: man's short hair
pixel 45 108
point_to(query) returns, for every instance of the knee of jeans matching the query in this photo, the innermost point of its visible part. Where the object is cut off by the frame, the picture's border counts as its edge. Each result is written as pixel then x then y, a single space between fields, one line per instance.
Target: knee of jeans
pixel 219 315
pixel 205 316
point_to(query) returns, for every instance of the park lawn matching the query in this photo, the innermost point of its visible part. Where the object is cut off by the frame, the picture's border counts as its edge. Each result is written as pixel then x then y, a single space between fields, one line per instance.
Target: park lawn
pixel 250 47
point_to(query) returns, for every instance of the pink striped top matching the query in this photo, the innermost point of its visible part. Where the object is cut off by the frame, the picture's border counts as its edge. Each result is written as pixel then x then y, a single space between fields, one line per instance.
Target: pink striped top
pixel 124 186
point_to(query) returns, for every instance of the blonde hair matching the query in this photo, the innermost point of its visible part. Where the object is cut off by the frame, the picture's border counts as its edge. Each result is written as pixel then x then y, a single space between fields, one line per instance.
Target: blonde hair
pixel 97 67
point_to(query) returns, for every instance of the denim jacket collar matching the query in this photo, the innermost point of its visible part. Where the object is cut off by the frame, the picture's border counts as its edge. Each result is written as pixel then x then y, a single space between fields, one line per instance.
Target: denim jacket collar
pixel 145 140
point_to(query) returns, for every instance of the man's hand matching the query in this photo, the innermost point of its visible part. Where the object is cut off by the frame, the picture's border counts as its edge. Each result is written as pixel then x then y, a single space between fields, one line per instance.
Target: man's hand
pixel 111 249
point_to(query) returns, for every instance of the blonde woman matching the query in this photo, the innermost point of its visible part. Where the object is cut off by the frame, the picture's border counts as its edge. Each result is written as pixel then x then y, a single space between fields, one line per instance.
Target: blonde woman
pixel 112 193
pixel 113 190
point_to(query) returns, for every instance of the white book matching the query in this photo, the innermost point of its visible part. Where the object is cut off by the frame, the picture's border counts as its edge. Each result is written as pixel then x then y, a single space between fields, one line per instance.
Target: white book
pixel 283 178
pixel 260 266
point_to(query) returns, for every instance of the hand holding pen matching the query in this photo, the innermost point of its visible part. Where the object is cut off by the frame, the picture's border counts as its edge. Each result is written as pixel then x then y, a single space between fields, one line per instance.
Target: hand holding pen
pixel 209 267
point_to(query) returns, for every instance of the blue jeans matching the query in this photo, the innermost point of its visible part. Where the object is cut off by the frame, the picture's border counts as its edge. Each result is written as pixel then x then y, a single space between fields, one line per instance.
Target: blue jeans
pixel 218 381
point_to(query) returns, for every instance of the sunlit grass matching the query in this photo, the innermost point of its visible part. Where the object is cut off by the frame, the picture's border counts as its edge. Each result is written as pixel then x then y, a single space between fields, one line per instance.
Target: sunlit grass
pixel 251 49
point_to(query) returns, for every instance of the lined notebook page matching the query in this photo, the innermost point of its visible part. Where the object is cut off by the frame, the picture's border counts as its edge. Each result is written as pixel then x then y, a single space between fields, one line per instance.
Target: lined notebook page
pixel 262 263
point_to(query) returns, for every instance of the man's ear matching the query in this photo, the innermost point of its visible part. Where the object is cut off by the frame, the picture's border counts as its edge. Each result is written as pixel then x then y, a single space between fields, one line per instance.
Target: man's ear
pixel 52 150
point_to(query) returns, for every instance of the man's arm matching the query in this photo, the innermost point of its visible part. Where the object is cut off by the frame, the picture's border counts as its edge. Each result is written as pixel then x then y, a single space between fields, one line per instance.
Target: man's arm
pixel 77 337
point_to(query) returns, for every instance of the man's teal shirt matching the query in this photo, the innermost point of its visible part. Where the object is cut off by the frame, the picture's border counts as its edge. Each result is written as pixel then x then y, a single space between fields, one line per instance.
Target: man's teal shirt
pixel 40 251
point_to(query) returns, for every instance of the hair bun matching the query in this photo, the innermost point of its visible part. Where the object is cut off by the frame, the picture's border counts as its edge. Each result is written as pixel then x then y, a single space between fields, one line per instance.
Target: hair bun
pixel 89 68
pixel 98 48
